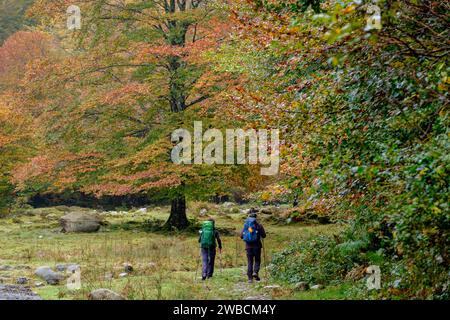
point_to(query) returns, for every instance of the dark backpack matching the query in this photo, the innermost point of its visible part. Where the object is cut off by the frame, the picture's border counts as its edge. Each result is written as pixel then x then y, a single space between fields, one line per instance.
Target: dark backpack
pixel 250 231
pixel 207 239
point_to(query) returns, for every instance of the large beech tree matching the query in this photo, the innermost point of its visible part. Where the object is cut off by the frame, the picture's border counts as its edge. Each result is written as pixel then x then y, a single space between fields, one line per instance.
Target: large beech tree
pixel 135 72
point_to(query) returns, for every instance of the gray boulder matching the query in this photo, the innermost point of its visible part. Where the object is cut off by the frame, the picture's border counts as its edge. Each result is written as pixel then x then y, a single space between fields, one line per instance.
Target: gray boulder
pixel 50 276
pixel 67 267
pixel 105 294
pixel 80 222
pixel 13 292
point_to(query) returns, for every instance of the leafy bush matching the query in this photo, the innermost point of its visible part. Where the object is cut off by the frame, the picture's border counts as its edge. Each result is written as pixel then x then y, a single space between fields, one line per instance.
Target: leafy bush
pixel 319 260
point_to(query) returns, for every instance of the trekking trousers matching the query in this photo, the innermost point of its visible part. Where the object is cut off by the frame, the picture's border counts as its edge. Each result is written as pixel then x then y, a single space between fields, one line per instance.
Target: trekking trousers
pixel 253 261
pixel 208 257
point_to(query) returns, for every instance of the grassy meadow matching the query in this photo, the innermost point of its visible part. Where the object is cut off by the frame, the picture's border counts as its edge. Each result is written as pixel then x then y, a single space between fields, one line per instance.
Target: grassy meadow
pixel 165 265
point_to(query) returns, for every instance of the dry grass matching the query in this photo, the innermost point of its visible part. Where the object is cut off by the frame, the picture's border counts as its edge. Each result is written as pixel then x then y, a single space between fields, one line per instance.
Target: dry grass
pixel 165 265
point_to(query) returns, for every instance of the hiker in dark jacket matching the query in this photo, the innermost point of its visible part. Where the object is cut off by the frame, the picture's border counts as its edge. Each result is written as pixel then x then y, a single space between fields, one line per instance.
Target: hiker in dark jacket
pixel 208 248
pixel 254 250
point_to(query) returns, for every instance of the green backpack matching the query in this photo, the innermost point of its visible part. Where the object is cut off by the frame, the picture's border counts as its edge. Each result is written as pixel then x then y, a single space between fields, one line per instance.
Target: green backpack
pixel 207 239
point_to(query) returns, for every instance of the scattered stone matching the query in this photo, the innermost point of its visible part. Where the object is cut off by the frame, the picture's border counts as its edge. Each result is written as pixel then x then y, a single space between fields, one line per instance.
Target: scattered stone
pixel 67 267
pixel 142 210
pixel 104 294
pixel 123 275
pixel 272 287
pixel 80 222
pixel 50 276
pixel 317 287
pixel 22 280
pixel 14 292
pixel 39 284
pixel 301 286
pixel 203 212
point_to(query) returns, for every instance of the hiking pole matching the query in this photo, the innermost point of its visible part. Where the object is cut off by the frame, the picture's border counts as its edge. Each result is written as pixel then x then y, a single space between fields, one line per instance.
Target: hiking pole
pixel 265 261
pixel 220 258
pixel 236 262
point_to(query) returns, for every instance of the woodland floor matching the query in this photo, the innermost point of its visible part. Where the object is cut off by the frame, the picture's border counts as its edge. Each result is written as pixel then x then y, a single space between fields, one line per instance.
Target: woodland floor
pixel 166 266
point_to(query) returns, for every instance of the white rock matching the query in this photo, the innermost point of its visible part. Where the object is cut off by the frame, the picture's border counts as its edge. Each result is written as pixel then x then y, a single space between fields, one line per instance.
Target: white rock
pixel 104 294
pixel 317 287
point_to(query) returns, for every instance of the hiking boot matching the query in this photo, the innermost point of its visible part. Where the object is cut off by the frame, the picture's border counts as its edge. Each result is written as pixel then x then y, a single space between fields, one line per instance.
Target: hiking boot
pixel 250 280
pixel 256 277
pixel 203 278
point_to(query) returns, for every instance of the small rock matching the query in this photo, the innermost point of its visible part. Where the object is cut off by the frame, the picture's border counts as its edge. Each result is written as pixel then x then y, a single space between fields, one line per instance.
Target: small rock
pixel 22 280
pixel 123 275
pixel 272 287
pixel 301 286
pixel 317 287
pixel 50 276
pixel 142 210
pixel 39 284
pixel 104 294
pixel 203 212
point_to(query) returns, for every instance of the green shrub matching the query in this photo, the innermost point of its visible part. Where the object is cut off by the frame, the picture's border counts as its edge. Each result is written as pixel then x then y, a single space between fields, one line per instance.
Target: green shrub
pixel 319 260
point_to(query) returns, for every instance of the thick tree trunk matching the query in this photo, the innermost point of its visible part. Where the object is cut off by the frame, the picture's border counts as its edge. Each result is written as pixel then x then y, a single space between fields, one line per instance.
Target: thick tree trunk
pixel 178 218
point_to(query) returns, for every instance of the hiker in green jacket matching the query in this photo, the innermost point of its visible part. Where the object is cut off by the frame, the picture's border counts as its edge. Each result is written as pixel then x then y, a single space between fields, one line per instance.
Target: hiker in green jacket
pixel 208 237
